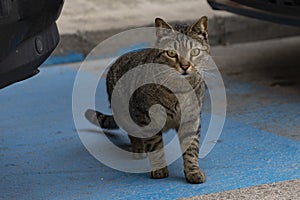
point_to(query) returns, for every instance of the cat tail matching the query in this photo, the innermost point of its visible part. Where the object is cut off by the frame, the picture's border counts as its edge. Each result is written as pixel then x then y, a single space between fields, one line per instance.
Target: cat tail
pixel 102 120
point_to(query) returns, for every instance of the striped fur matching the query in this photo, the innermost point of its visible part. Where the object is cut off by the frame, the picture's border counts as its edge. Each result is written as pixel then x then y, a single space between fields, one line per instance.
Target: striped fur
pixel 188 58
pixel 101 120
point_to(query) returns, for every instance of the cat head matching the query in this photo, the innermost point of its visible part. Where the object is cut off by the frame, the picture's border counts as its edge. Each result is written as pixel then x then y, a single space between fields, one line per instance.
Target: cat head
pixel 185 48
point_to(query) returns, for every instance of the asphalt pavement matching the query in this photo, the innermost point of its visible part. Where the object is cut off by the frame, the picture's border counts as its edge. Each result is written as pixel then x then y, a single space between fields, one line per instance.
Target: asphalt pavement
pixel 256 156
pixel 85 23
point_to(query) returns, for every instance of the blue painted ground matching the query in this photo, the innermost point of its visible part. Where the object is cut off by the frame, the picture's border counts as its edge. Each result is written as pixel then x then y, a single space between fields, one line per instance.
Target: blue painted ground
pixel 42 156
pixel 60 59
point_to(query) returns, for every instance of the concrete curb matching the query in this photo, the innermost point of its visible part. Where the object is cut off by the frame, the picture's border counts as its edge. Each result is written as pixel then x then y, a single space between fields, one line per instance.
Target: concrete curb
pixel 222 31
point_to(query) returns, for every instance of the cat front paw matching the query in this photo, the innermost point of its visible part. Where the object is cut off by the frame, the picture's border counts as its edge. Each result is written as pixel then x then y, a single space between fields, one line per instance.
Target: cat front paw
pixel 160 173
pixel 195 176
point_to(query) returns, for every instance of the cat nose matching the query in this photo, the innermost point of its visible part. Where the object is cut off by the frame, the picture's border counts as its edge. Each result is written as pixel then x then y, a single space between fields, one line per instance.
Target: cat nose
pixel 184 66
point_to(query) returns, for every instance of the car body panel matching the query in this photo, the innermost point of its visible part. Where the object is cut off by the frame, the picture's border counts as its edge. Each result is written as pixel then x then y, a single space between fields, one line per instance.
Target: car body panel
pixel 278 11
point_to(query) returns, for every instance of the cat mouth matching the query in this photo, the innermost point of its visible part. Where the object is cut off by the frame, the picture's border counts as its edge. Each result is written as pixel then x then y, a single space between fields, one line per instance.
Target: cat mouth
pixel 185 73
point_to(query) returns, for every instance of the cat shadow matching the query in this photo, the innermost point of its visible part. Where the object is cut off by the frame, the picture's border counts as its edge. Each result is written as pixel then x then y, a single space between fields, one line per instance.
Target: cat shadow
pixel 119 139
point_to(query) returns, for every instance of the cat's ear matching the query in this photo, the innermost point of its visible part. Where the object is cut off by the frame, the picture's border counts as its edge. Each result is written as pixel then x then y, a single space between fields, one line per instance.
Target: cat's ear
pixel 162 27
pixel 200 27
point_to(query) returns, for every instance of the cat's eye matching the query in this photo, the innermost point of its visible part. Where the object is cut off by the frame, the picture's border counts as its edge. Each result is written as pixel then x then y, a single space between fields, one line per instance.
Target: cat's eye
pixel 195 52
pixel 171 53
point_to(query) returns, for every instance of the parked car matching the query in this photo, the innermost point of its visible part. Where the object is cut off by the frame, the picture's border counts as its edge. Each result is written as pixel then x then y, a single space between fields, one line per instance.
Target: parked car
pixel 28 35
pixel 279 11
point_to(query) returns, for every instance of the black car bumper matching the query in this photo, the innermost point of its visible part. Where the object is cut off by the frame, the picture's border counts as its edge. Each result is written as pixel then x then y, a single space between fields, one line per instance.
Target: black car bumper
pixel 28 35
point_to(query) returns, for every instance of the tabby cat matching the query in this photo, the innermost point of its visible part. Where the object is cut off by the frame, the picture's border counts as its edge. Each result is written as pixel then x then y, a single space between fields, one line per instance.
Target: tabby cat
pixel 190 66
